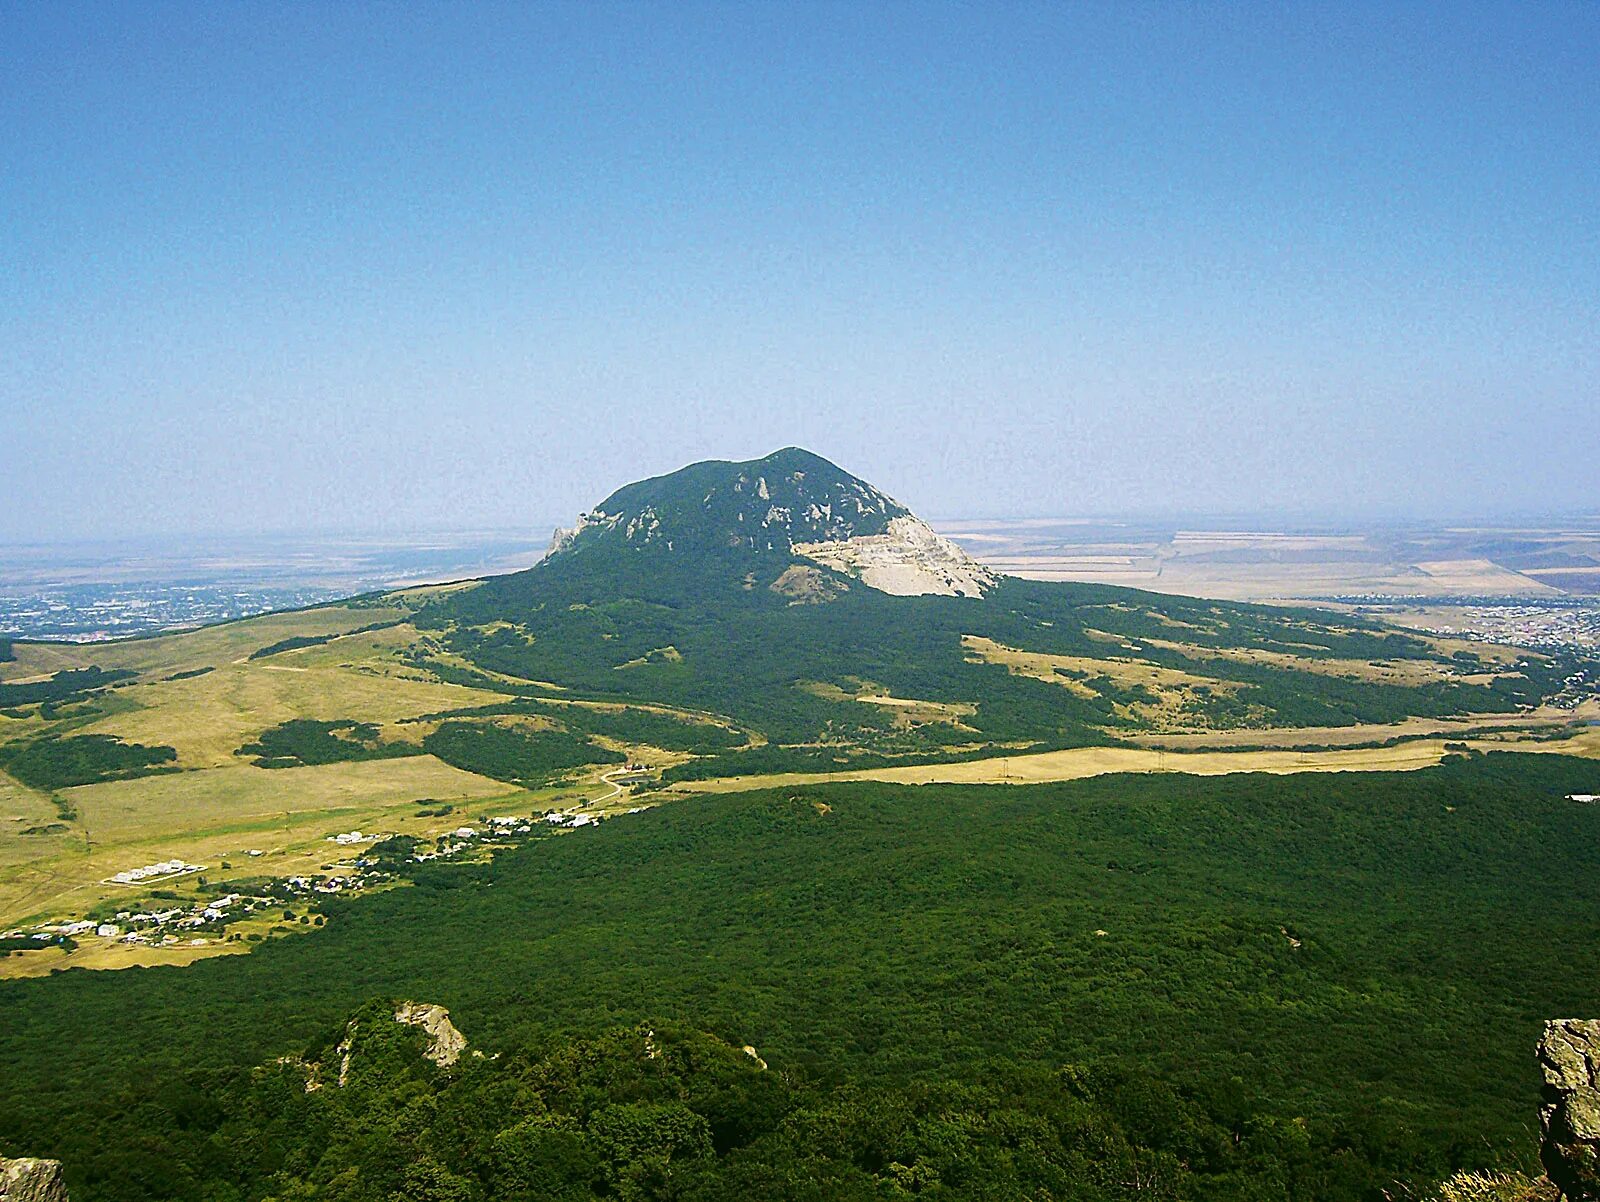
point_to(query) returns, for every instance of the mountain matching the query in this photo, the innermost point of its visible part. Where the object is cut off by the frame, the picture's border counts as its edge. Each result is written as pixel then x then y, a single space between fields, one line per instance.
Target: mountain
pixel 793 506
pixel 1366 944
pixel 800 604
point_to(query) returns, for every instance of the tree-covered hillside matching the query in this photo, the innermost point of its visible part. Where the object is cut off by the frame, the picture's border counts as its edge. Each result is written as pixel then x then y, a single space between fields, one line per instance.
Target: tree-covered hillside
pixel 738 649
pixel 659 1112
pixel 1373 953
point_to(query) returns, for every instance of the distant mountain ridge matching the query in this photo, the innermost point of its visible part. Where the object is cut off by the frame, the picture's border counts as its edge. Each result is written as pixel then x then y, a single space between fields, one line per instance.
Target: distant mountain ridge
pixel 792 503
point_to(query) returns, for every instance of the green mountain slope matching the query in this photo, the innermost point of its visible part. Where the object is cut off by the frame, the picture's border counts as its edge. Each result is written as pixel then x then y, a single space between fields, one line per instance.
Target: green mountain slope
pixel 687 589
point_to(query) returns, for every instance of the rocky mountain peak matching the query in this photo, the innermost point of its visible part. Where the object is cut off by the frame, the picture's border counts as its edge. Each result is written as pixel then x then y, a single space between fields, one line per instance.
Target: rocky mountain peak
pixel 764 504
pixel 793 504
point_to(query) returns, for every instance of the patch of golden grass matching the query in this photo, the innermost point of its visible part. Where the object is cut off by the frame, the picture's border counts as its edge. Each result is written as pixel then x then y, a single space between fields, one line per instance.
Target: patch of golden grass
pixel 1042 666
pixel 1175 699
pixel 207 718
pixel 218 815
pixel 21 810
pixel 422 593
pixel 908 711
pixel 1081 762
pixel 98 954
pixel 242 796
pixel 1336 736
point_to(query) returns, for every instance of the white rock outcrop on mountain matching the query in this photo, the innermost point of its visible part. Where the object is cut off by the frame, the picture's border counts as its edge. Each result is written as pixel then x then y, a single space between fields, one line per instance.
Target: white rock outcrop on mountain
pixel 445 1043
pixel 908 560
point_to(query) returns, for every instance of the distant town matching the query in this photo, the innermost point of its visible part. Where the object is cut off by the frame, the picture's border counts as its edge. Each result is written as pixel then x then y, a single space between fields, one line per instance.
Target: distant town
pixel 94 613
pixel 90 592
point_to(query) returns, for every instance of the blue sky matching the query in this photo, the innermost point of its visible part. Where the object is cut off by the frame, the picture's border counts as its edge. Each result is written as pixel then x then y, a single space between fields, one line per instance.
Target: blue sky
pixel 357 266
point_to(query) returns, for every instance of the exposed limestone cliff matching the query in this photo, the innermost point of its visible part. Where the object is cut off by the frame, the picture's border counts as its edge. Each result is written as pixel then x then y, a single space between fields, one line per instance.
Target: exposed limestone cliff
pixel 30 1180
pixel 908 559
pixel 445 1043
pixel 1569 1118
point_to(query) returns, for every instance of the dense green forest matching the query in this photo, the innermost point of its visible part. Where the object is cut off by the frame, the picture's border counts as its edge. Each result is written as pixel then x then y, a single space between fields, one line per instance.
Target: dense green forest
pixel 1372 954
pixel 302 741
pixel 294 643
pixel 659 1112
pixel 62 762
pixel 667 731
pixel 514 754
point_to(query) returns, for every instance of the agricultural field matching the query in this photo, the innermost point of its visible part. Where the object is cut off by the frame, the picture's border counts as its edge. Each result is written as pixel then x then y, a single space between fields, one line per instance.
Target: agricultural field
pixel 1259 563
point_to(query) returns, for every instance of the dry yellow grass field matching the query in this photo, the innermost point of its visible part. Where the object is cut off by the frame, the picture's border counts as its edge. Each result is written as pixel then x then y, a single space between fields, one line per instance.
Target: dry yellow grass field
pixel 1406 672
pixel 1123 670
pixel 215 814
pixel 207 718
pixel 23 816
pixel 1544 719
pixel 1080 763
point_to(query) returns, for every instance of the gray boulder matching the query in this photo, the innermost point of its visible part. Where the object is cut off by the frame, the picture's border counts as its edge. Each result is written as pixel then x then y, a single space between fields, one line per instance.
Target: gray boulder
pixel 30 1180
pixel 1569 1116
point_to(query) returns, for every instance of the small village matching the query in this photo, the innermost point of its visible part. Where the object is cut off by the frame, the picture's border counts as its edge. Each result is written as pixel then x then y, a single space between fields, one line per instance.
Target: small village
pixel 206 920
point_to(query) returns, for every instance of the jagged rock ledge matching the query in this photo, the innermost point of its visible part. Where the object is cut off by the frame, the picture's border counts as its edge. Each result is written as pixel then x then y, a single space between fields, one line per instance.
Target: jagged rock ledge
pixel 30 1180
pixel 1569 1116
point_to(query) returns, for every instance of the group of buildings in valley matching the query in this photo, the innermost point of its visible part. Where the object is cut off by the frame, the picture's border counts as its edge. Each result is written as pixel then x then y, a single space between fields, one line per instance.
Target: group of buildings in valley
pixel 205 919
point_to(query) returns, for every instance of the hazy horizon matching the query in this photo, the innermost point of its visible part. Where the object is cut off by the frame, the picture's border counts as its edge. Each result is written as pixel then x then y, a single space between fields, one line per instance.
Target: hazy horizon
pixel 336 269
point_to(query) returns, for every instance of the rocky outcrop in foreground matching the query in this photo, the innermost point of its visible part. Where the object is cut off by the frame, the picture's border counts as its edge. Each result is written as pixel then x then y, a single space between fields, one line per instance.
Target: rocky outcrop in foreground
pixel 445 1043
pixel 1569 1117
pixel 29 1180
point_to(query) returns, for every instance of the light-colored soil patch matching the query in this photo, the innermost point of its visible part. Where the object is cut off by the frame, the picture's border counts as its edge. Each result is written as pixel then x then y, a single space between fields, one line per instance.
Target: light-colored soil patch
pixel 807 586
pixel 1478 576
pixel 661 655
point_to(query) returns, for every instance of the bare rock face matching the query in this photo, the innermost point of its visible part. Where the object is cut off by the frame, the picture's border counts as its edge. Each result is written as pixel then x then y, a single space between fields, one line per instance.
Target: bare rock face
pixel 445 1043
pixel 1569 1117
pixel 29 1180
pixel 908 559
